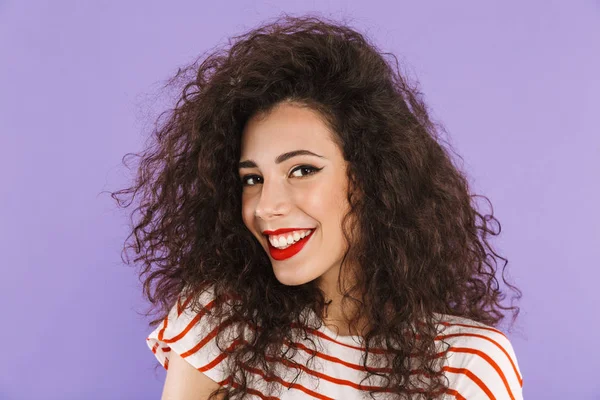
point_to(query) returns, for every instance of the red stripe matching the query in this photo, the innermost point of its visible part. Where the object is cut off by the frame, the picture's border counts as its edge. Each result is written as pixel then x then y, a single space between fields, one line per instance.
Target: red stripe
pixel 287 384
pixel 189 326
pixel 321 375
pixel 332 359
pixel 225 381
pixel 259 394
pixel 204 340
pixel 489 360
pixel 486 328
pixel 519 378
pixel 164 327
pixel 326 337
pixel 473 377
pixel 219 358
pixel 455 394
pixel 184 305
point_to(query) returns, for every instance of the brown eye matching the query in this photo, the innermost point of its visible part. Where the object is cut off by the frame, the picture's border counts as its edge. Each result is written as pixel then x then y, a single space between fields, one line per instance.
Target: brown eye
pixel 307 170
pixel 248 177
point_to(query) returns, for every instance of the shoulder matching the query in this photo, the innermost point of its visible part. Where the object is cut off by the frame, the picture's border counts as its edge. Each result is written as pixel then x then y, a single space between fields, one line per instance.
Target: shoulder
pixel 481 362
pixel 189 331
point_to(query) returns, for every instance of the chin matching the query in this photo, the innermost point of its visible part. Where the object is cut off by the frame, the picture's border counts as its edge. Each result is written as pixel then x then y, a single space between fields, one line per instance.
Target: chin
pixel 289 278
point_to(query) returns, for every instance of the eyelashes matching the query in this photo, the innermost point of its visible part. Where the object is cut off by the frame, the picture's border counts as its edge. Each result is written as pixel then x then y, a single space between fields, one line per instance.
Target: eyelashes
pixel 311 171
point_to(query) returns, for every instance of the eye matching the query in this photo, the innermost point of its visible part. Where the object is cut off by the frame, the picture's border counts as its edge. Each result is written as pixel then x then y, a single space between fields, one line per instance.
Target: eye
pixel 312 170
pixel 248 177
pixel 306 170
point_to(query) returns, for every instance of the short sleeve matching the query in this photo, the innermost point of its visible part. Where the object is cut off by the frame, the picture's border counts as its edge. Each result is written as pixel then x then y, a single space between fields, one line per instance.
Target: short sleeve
pixel 191 336
pixel 481 362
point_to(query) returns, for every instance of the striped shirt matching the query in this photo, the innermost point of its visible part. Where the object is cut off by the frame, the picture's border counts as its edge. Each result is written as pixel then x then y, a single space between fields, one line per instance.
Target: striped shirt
pixel 480 363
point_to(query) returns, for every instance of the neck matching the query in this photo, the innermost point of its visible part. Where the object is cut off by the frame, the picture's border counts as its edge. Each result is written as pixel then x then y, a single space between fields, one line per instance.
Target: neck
pixel 338 314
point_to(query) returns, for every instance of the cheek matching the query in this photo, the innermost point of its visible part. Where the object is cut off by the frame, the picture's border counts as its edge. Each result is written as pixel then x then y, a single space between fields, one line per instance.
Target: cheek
pixel 325 203
pixel 313 203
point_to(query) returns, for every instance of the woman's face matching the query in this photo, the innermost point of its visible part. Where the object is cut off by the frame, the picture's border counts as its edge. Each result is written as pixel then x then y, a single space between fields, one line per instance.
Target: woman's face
pixel 303 192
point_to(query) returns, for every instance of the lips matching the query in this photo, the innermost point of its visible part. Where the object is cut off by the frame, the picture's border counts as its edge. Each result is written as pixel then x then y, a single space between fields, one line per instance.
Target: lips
pixel 282 254
pixel 284 230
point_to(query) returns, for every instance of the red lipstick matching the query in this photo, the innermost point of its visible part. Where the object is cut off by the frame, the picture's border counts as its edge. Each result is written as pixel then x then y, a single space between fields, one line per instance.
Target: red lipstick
pixel 290 251
pixel 284 230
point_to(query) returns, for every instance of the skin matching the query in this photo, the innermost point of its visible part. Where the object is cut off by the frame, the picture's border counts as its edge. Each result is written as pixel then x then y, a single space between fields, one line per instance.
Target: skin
pixel 284 196
pixel 184 382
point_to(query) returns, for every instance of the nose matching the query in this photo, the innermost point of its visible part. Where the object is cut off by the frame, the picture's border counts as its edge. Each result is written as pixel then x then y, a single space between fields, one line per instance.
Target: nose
pixel 274 200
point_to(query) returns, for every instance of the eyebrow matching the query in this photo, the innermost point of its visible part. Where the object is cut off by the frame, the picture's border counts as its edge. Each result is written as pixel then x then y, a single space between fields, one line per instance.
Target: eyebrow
pixel 281 158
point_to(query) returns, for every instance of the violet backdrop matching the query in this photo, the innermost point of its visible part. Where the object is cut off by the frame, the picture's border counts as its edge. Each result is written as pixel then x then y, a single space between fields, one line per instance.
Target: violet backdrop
pixel 514 83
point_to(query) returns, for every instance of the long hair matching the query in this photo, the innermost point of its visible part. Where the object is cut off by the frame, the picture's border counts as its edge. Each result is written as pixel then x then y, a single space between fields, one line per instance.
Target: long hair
pixel 422 245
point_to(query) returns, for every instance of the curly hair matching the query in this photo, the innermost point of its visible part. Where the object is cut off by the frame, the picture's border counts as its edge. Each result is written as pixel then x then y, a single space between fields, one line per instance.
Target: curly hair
pixel 422 245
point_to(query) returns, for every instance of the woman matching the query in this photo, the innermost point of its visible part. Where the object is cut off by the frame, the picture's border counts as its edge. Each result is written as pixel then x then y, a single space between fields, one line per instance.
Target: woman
pixel 304 234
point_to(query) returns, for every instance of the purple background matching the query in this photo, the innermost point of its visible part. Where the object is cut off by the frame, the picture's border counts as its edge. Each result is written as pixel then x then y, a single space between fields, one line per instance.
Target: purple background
pixel 515 84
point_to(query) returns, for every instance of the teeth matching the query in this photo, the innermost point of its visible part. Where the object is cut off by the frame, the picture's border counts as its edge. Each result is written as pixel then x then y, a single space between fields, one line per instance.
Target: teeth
pixel 284 241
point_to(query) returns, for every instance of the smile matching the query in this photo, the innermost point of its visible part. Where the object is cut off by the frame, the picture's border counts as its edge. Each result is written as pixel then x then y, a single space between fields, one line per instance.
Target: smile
pixel 289 251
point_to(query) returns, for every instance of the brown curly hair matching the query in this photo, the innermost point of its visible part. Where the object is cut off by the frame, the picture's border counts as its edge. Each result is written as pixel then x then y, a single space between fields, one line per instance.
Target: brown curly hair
pixel 422 245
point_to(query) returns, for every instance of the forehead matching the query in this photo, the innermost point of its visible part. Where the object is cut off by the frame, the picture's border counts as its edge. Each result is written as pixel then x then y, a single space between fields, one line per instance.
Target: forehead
pixel 286 127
